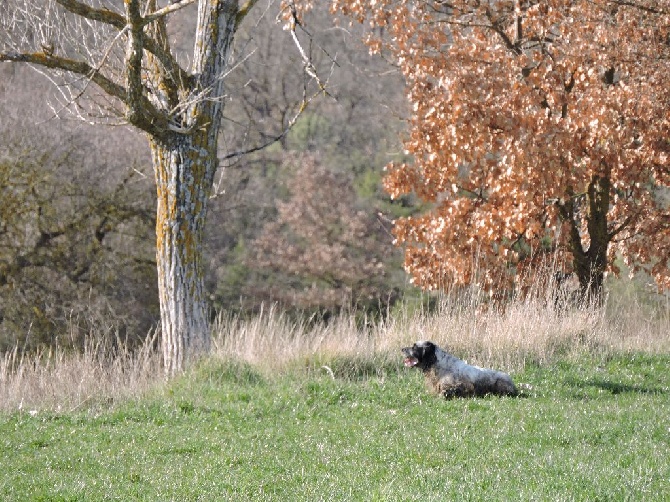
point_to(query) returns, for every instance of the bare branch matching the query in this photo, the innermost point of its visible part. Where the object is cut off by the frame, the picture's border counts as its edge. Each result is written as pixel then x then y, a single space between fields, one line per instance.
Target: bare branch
pixel 310 69
pixel 174 7
pixel 72 99
pixel 102 15
pixel 134 54
pixel 243 11
pixel 71 65
pixel 278 137
pixel 153 121
pixel 118 21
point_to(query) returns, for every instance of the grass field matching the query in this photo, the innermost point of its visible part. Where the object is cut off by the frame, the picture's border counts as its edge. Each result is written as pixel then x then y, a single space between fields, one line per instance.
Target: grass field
pixel 588 429
pixel 286 410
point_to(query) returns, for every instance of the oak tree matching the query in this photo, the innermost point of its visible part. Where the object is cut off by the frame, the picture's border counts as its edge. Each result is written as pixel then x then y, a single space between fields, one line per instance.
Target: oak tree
pixel 537 127
pixel 113 61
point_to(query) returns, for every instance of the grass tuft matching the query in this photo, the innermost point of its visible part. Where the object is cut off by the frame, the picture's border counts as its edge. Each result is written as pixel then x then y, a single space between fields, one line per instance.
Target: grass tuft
pixel 354 366
pixel 217 371
pixel 58 379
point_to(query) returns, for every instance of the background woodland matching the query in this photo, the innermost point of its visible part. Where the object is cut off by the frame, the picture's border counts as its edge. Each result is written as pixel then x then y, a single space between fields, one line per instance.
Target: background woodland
pixel 303 223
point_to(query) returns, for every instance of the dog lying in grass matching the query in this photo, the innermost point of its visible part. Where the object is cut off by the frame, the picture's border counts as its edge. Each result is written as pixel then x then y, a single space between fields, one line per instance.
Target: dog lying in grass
pixel 447 375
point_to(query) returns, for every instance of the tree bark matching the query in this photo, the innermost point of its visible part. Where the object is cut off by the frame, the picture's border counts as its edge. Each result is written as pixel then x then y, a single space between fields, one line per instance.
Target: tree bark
pixel 184 170
pixel 184 167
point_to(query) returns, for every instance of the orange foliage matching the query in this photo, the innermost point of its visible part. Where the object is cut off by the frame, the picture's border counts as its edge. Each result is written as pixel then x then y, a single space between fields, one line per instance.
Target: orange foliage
pixel 536 127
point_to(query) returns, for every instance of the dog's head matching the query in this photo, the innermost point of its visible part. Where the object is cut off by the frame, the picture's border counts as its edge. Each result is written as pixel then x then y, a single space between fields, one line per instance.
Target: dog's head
pixel 421 354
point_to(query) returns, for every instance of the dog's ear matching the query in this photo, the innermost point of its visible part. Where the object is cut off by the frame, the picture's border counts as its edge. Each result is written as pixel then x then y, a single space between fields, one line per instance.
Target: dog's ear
pixel 429 350
pixel 424 349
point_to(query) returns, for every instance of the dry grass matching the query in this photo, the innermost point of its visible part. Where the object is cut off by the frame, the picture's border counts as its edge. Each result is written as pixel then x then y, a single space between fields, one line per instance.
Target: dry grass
pixel 64 380
pixel 526 332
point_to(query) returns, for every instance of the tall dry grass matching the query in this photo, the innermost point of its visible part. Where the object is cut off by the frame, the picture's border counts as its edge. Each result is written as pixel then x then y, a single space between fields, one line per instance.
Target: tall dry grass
pixel 530 331
pixel 63 380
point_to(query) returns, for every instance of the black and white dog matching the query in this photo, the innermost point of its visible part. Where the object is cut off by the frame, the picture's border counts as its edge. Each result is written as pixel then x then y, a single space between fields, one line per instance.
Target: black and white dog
pixel 449 376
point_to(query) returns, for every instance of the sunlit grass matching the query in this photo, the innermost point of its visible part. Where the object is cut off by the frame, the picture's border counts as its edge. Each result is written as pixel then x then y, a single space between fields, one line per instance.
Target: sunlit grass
pixel 528 332
pixel 284 409
pixel 592 428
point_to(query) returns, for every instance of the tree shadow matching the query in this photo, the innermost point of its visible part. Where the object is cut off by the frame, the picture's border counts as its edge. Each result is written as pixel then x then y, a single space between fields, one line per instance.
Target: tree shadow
pixel 615 388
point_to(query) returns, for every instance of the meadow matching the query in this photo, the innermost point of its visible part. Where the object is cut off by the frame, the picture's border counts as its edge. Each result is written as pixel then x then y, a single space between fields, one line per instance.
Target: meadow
pixel 293 410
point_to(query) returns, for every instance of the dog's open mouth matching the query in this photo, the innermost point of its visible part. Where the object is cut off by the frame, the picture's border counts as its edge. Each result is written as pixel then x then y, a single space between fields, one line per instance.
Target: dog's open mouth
pixel 411 361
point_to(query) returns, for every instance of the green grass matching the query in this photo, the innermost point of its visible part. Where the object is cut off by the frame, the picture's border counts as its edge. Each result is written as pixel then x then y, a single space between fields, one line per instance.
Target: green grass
pixel 586 429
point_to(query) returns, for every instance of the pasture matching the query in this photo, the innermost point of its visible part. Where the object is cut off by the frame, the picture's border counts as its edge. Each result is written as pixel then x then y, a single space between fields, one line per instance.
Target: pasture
pixel 286 411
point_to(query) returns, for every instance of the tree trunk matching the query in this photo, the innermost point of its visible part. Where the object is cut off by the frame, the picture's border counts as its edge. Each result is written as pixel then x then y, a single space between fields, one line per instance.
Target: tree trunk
pixel 184 166
pixel 184 171
pixel 590 265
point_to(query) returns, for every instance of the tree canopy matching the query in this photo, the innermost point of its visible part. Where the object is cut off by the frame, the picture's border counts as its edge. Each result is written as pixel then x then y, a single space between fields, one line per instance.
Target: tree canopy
pixel 536 128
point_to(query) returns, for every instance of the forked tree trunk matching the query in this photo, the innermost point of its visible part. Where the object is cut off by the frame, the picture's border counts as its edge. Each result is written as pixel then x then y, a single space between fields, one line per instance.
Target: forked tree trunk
pixel 184 166
pixel 590 264
pixel 184 172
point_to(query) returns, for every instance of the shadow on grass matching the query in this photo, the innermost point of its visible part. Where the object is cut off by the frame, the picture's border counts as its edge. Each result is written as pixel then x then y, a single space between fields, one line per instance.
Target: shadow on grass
pixel 615 388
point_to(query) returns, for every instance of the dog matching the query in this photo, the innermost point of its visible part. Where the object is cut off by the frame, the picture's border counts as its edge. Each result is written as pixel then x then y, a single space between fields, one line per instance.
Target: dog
pixel 450 377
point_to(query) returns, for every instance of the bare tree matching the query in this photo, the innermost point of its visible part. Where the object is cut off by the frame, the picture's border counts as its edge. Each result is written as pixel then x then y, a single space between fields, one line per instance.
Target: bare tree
pixel 113 62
